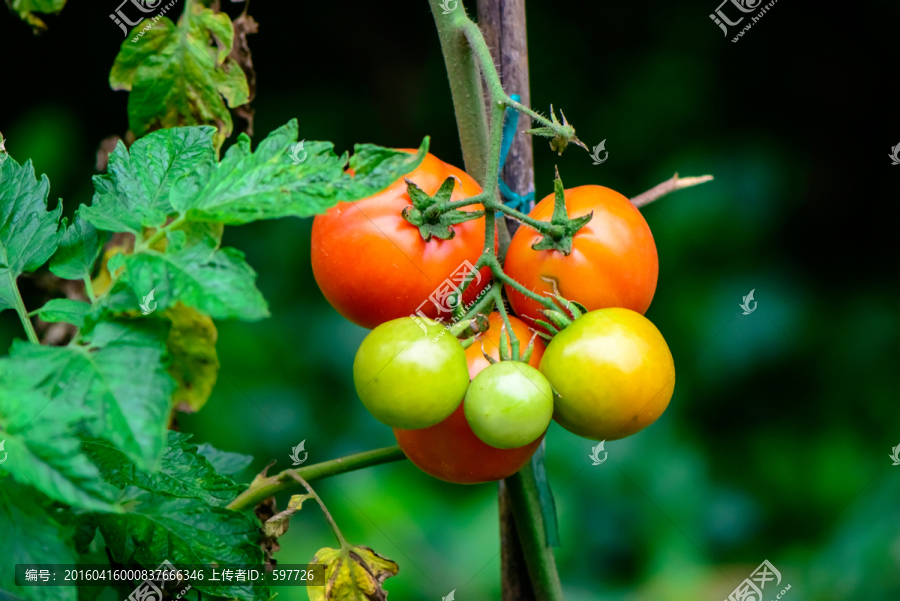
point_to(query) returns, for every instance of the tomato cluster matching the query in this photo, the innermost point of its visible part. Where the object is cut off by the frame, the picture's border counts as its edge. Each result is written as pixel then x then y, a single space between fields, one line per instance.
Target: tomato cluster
pixel 475 410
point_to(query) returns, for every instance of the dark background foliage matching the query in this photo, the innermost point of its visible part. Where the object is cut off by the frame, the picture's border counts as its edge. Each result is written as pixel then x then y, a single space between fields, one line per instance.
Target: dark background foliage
pixel 776 443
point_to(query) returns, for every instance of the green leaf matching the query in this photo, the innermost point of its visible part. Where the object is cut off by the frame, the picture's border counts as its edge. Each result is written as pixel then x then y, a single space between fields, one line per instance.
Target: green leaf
pixel 183 473
pixel 117 383
pixel 180 75
pixel 78 249
pixel 266 184
pixel 223 461
pixel 135 191
pixel 186 531
pixel 28 232
pixel 195 364
pixel 43 450
pixel 356 574
pixel 27 8
pixel 216 282
pixel 64 309
pixel 30 535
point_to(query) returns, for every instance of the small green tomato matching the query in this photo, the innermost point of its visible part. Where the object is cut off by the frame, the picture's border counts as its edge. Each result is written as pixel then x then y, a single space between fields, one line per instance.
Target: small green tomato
pixel 509 404
pixel 409 378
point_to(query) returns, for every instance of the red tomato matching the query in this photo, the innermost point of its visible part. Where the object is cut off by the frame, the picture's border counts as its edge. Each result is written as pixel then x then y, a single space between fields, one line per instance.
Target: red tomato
pixel 613 261
pixel 450 451
pixel 373 266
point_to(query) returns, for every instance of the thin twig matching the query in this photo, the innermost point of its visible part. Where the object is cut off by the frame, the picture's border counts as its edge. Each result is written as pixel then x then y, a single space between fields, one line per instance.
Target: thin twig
pixel 670 185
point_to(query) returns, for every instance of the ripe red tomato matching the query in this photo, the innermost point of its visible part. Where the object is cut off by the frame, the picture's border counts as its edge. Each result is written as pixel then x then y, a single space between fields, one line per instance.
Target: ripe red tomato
pixel 613 261
pixel 450 451
pixel 373 266
pixel 491 342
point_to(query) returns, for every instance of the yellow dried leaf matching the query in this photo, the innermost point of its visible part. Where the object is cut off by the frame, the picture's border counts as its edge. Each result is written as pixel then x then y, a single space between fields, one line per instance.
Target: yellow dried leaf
pixel 356 574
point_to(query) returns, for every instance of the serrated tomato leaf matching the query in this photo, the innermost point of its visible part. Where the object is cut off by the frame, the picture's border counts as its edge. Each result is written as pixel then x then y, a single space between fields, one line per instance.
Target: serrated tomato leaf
pixel 186 531
pixel 134 193
pixel 179 75
pixel 117 381
pixel 216 281
pixel 225 462
pixel 31 535
pixel 64 309
pixel 43 451
pixel 270 182
pixel 78 249
pixel 183 472
pixel 28 232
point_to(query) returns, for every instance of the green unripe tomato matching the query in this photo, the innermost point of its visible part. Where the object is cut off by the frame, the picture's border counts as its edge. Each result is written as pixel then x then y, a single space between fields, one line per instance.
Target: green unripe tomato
pixel 509 404
pixel 408 378
pixel 613 371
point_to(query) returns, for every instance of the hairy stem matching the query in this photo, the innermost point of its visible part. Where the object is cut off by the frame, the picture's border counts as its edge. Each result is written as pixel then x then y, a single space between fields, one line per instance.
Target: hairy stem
pixel 465 87
pixel 264 487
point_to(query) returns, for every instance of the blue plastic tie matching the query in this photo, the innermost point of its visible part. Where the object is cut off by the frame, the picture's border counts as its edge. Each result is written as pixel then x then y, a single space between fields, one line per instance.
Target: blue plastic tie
pixel 510 120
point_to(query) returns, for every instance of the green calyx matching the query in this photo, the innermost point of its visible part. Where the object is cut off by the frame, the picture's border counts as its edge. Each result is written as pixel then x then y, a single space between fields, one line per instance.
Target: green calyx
pixel 504 349
pixel 430 213
pixel 558 319
pixel 560 136
pixel 558 235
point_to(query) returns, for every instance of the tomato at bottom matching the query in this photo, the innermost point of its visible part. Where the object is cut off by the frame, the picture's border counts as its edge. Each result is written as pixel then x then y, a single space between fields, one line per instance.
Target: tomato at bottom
pixel 450 451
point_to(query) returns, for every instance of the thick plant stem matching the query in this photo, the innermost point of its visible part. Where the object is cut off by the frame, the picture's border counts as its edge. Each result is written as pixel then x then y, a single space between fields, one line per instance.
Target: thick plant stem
pixel 515 583
pixel 264 486
pixel 526 508
pixel 465 86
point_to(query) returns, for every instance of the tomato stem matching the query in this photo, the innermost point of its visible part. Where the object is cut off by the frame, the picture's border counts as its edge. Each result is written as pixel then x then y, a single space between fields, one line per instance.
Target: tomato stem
pixel 331 522
pixel 264 486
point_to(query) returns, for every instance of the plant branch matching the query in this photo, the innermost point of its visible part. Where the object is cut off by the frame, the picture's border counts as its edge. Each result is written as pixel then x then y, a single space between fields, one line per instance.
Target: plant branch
pixel 526 507
pixel 668 186
pixel 331 522
pixel 465 87
pixel 23 313
pixel 264 486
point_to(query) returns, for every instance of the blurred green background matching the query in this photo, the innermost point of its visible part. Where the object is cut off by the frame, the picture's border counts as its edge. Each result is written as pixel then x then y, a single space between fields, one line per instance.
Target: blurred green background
pixel 775 445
